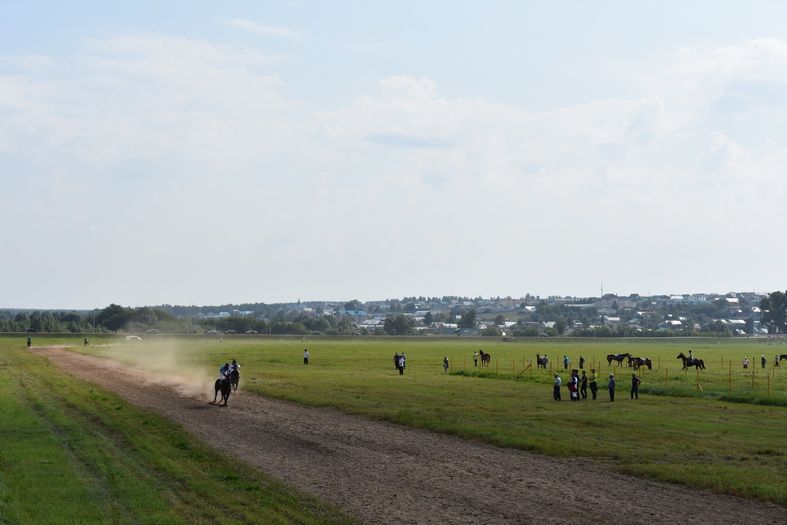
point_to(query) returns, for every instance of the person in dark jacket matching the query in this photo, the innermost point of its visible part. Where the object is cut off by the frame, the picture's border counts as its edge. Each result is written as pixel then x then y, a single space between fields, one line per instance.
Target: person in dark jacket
pixel 635 381
pixel 583 388
pixel 611 387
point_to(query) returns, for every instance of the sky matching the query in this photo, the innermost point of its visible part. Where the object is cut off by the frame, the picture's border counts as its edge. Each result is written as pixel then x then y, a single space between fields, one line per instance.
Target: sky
pixel 226 152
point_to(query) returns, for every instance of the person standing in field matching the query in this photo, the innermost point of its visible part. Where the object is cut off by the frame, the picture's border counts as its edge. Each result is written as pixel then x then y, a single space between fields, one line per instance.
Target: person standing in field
pixel 593 382
pixel 566 362
pixel 86 341
pixel 475 358
pixel 396 360
pixel 306 356
pixel 745 362
pixel 581 362
pixel 776 360
pixel 583 389
pixel 573 386
pixel 29 342
pixel 635 381
pixel 611 387
pixel 763 360
pixel 556 388
pixel 400 365
pixel 445 364
pixel 404 361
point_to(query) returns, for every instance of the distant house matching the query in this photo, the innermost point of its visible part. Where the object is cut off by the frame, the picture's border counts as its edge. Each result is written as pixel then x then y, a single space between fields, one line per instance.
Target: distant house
pixel 611 320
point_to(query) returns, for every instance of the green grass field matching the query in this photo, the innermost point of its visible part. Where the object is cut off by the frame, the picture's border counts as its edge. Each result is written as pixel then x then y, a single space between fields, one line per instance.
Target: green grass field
pixel 680 435
pixel 71 453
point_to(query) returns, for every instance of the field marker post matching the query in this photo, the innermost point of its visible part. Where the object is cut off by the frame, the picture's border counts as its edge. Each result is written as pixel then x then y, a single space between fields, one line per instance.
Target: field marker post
pixel 769 386
pixel 730 388
pixel 666 371
pixel 698 380
pixel 752 377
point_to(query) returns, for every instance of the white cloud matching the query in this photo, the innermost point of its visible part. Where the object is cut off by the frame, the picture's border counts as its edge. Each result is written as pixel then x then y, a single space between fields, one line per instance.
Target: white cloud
pixel 266 30
pixel 175 156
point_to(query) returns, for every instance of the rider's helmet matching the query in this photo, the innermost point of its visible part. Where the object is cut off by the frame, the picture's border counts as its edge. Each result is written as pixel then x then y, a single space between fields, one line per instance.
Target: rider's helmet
pixel 226 365
pixel 234 362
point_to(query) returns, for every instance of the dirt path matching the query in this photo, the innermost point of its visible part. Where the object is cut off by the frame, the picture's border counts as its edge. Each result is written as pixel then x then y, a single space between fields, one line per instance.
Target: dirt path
pixel 385 473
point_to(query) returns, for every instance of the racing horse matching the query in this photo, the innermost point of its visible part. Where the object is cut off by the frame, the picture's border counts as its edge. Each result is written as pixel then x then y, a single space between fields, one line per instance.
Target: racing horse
pixel 485 358
pixel 541 362
pixel 223 385
pixel 637 362
pixel 617 357
pixel 234 379
pixel 698 364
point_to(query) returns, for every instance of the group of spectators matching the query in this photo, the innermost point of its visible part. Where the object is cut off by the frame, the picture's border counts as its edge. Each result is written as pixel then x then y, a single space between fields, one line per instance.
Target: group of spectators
pixel 578 386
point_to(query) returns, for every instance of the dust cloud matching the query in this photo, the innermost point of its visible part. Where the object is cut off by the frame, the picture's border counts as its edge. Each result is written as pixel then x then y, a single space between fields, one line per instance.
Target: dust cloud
pixel 167 363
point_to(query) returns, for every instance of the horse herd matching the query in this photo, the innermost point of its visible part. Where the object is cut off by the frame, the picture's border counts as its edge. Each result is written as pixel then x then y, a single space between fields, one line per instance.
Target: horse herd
pixel 226 385
pixel 634 362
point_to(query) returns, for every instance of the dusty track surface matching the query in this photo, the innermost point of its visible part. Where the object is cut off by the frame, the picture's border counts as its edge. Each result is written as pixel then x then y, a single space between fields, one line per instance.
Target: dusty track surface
pixel 385 473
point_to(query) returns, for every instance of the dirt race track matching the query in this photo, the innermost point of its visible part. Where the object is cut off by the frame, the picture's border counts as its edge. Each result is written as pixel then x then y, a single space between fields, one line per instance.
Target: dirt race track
pixel 385 473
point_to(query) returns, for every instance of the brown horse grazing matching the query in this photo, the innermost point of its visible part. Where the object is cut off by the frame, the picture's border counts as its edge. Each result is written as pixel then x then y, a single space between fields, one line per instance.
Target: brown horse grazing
pixel 485 358
pixel 541 362
pixel 617 357
pixel 698 364
pixel 636 362
pixel 224 386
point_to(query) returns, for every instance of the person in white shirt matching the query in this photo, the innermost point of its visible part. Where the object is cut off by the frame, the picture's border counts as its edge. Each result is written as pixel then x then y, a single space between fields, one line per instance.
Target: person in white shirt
pixel 305 356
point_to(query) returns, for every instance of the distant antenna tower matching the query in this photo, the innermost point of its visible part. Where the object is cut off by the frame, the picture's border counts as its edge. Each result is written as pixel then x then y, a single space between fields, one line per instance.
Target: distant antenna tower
pixel 602 289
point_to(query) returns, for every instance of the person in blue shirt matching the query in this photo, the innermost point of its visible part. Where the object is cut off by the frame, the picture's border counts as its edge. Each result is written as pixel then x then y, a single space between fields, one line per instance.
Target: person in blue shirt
pixel 224 371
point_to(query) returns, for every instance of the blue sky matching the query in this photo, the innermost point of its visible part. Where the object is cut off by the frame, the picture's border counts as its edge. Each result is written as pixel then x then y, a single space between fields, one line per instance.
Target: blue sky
pixel 210 152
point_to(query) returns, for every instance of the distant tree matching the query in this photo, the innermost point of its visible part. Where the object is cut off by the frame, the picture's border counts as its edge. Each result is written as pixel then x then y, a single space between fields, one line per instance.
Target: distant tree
pixel 113 317
pixel 399 325
pixel 352 305
pixel 468 319
pixel 409 307
pixel 560 326
pixel 491 331
pixel 774 312
pixel 500 319
pixel 428 318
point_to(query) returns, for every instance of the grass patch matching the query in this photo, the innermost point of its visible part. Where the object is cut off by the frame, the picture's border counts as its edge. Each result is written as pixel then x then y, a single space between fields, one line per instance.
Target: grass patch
pixel 93 458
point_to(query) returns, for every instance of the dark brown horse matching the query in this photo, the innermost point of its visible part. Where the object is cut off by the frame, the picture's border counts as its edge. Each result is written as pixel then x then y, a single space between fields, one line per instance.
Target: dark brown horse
pixel 485 358
pixel 541 361
pixel 617 357
pixel 234 379
pixel 698 364
pixel 224 386
pixel 637 362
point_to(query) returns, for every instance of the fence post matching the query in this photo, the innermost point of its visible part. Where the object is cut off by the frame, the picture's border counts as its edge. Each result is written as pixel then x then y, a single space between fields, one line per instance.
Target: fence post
pixel 513 369
pixel 722 361
pixel 698 380
pixel 666 371
pixel 752 377
pixel 730 387
pixel 497 366
pixel 769 386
